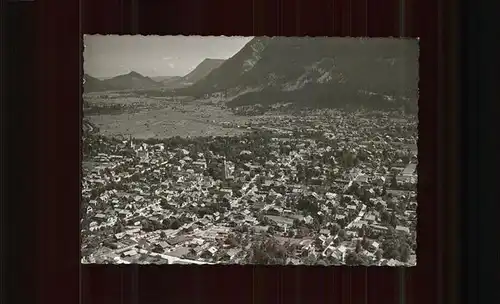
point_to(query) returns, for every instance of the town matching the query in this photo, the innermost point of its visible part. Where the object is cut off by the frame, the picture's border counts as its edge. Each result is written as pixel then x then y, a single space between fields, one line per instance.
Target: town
pixel 319 187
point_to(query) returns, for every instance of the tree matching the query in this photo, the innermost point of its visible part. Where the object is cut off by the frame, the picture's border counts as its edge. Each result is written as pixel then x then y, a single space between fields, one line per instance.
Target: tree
pixel 358 246
pixel 348 159
pixel 232 241
pixel 394 182
pixel 307 206
pixel 404 250
pixel 364 243
pixel 354 259
pixel 394 220
pixel 175 224
pixel 390 249
pixel 342 234
pixel 379 207
pixel 384 191
pixel 302 232
pixel 119 228
pixel 268 252
pixel 385 217
pixel 296 223
pixel 335 229
pixel 310 260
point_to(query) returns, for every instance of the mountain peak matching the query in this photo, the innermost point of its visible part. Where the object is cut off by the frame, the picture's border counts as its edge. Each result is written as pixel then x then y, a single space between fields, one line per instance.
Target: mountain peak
pixel 134 74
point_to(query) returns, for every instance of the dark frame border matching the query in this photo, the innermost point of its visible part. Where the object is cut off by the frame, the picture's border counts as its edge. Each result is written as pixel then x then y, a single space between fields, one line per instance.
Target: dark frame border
pixel 58 130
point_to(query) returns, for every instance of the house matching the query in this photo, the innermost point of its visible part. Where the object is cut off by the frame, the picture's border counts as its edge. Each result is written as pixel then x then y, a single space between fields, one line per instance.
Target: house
pixel 132 231
pixel 359 224
pixel 324 232
pixel 381 203
pixel 293 261
pixel 409 170
pixel 274 210
pixel 362 179
pixel 379 228
pixel 100 217
pixel 267 184
pixel 232 253
pixel 280 220
pixel 322 239
pixel 209 252
pixel 258 206
pixel 177 240
pixel 403 229
pixel 339 217
pixel 308 219
pixel 397 193
pixel 370 218
pixel 199 165
pixel 130 253
pixel 143 243
pixel 120 235
pixel 164 245
pixel 379 181
pixel 225 191
pixel 392 263
pixel 351 209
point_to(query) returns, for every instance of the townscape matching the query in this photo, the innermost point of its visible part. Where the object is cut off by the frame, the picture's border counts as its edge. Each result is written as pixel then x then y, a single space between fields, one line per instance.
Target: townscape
pixel 317 187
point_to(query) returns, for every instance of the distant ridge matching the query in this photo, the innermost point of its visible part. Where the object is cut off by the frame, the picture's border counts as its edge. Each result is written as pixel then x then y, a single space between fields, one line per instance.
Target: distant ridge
pixel 166 79
pixel 132 80
pixel 197 74
pixel 135 80
pixel 92 84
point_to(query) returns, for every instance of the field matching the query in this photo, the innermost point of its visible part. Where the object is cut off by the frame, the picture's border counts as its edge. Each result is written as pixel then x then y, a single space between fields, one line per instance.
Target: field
pixel 143 117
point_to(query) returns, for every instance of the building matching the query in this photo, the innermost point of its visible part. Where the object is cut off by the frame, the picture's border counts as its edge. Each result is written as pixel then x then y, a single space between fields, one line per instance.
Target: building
pixel 228 170
pixel 403 229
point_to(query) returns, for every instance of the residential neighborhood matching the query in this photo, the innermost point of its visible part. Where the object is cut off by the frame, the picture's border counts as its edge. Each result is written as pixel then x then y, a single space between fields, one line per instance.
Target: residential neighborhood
pixel 319 187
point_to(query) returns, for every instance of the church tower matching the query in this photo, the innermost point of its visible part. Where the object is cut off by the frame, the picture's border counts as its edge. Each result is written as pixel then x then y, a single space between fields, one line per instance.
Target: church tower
pixel 227 170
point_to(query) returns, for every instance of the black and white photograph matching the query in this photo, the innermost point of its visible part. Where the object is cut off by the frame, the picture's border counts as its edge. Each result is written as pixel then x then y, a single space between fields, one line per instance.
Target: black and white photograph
pixel 249 150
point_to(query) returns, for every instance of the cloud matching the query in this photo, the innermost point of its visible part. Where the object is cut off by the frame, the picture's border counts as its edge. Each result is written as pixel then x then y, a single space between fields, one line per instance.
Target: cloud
pixel 167 58
pixel 171 65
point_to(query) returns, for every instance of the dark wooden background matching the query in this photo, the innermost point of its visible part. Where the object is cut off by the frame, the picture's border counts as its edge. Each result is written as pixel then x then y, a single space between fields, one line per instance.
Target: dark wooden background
pixel 56 121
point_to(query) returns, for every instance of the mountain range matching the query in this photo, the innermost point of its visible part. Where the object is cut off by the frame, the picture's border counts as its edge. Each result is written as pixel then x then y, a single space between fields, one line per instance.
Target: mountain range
pixel 134 80
pixel 378 73
pixel 373 73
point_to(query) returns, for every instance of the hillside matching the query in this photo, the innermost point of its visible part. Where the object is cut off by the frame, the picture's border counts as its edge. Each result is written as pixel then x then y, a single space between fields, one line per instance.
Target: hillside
pixel 132 80
pixel 336 72
pixel 92 84
pixel 202 70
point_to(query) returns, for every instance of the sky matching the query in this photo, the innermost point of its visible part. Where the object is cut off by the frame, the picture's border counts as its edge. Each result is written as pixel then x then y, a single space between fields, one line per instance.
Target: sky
pixel 112 55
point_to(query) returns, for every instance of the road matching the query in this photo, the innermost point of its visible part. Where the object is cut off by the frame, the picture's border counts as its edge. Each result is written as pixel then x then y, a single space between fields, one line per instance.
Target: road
pixel 360 215
pixel 170 259
pixel 244 188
